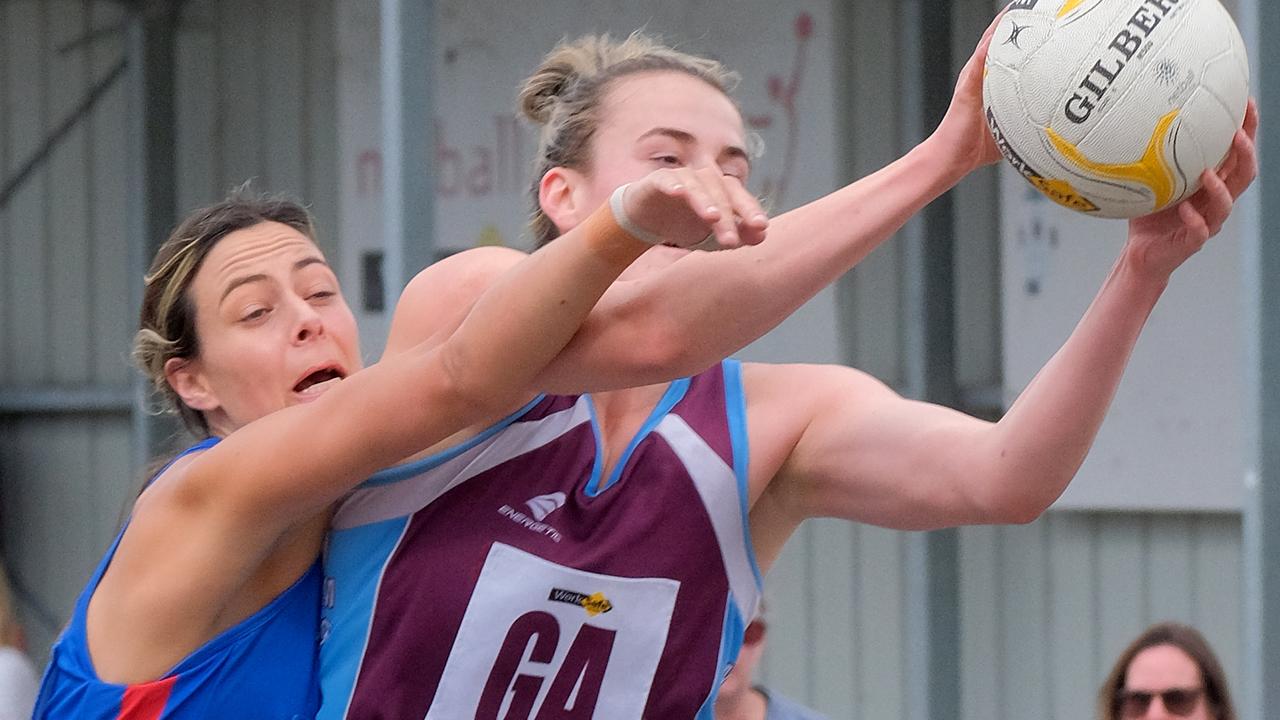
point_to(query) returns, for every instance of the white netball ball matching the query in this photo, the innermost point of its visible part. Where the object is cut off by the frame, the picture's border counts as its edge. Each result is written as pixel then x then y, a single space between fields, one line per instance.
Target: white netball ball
pixel 1114 107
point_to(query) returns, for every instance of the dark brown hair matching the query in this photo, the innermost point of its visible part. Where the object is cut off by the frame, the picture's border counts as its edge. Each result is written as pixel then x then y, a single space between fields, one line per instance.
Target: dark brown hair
pixel 1186 639
pixel 565 94
pixel 167 326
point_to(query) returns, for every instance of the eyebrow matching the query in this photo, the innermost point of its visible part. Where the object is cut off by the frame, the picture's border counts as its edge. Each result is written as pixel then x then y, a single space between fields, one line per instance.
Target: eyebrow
pixel 247 279
pixel 686 138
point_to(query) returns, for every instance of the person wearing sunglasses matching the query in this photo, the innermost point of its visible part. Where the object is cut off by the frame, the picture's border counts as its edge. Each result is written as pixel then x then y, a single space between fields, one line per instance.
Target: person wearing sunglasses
pixel 1169 671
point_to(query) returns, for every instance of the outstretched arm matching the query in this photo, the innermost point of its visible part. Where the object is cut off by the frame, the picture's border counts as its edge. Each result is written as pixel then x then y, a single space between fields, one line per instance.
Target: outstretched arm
pixel 234 500
pixel 705 306
pixel 292 463
pixel 863 452
pixel 209 537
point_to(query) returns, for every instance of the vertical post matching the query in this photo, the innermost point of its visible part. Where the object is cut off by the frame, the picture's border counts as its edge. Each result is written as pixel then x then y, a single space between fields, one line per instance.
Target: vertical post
pixel 932 560
pixel 1261 273
pixel 408 136
pixel 940 384
pixel 153 176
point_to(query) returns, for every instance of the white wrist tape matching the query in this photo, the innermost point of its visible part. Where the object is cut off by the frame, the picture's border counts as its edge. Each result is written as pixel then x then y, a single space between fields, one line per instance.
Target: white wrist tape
pixel 620 216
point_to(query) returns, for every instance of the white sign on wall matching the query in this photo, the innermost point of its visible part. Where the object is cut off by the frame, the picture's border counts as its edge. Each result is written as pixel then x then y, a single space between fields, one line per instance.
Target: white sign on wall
pixel 484 153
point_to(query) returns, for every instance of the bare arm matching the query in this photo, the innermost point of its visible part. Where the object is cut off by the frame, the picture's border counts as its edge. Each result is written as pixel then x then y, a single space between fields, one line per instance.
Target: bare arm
pixel 870 455
pixel 283 468
pixel 623 341
pixel 705 306
pixel 211 541
pixel 290 464
pixel 864 453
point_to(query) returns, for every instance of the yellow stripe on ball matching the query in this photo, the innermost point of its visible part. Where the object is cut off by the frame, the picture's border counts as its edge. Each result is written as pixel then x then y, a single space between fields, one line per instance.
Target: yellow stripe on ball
pixel 1068 6
pixel 1151 170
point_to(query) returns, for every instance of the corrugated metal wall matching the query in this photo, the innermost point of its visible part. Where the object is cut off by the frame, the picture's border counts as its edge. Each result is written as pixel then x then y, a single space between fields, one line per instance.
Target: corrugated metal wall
pixel 256 90
pixel 64 296
pixel 255 99
pixel 1047 607
pixel 836 595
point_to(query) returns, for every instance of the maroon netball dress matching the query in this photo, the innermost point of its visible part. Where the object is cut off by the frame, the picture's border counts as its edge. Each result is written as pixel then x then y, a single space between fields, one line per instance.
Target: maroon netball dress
pixel 509 578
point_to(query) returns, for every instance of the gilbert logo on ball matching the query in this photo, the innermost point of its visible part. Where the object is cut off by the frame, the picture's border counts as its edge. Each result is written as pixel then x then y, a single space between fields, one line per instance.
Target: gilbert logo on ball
pixel 1114 107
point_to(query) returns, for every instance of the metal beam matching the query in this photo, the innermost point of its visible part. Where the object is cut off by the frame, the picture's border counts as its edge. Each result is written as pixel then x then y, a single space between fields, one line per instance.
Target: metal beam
pixel 1260 211
pixel 408 139
pixel 53 138
pixel 158 76
pixel 933 558
pixel 152 122
pixel 58 400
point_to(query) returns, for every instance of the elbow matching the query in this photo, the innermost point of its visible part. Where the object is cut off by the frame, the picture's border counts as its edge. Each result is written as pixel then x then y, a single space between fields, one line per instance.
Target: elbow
pixel 673 350
pixel 461 389
pixel 662 340
pixel 1017 488
pixel 1023 513
pixel 669 355
pixel 661 349
pixel 1019 505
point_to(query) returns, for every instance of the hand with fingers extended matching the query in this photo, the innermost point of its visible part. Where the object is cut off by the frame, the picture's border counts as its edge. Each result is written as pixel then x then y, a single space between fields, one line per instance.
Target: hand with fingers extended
pixel 683 207
pixel 963 136
pixel 1160 242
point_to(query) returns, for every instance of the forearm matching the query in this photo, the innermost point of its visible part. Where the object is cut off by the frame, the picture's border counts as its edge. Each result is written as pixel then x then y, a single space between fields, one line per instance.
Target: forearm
pixel 705 306
pixel 716 303
pixel 1038 446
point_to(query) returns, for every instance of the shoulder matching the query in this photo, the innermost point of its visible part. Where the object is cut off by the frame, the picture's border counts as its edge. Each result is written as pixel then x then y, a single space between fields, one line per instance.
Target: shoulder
pixel 173 480
pixel 477 265
pixel 170 483
pixel 786 403
pixel 440 294
pixel 799 390
pixel 768 375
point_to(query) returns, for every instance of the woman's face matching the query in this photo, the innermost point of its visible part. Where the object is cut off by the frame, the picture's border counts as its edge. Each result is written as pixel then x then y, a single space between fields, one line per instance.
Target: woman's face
pixel 273 328
pixel 663 119
pixel 1152 674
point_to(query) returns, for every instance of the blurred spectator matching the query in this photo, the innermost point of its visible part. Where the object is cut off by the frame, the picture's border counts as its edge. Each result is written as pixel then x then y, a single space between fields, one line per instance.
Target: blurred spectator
pixel 1168 672
pixel 18 681
pixel 739 699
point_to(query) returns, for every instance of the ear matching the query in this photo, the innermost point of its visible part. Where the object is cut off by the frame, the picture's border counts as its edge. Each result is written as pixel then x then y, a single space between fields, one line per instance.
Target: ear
pixel 562 196
pixel 189 383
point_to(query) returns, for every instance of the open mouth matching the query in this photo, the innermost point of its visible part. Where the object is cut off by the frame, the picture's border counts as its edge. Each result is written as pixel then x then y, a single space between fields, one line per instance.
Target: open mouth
pixel 318 380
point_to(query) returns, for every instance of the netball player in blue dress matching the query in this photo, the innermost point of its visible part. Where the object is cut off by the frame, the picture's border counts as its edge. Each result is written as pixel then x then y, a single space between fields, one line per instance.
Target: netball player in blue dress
pixel 597 556
pixel 206 605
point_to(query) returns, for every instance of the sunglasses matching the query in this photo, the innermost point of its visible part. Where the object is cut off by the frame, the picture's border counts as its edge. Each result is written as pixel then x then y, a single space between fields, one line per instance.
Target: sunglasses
pixel 1179 701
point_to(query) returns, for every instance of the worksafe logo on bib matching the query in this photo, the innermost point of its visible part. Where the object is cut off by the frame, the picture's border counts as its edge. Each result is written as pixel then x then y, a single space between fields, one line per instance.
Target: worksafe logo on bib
pixel 595 603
